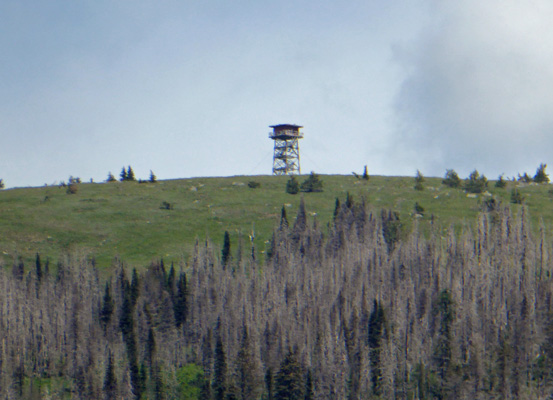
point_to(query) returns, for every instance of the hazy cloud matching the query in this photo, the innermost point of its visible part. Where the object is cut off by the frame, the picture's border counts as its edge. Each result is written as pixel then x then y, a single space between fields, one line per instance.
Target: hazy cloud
pixel 478 89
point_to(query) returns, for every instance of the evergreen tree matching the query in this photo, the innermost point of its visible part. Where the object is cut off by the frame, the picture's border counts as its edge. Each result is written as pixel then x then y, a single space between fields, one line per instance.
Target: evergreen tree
pixel 292 186
pixel 300 225
pixel 123 175
pixel 541 176
pixel 110 382
pixel 336 209
pixel 349 201
pixel 150 348
pixel 376 334
pixel 134 292
pixel 269 385
pixel 171 281
pixel 126 318
pixel 130 174
pixel 225 253
pixel 309 394
pixel 365 174
pixel 153 178
pixel 476 183
pixel 451 179
pixel 219 371
pixel 419 180
pixel 290 384
pixel 18 269
pixel 38 269
pixel 246 374
pixel 443 348
pixel 111 178
pixel 159 387
pixel 180 306
pixel 312 184
pixel 2 185
pixel 500 183
pixel 283 219
pixel 107 307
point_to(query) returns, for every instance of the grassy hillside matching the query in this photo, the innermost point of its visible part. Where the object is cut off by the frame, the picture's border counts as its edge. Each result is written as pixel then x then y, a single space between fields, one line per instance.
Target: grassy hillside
pixel 126 219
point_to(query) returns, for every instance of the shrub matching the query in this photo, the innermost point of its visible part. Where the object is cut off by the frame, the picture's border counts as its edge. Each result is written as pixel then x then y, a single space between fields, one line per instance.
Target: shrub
pixel 166 206
pixel 419 179
pixel 524 178
pixel 541 176
pixel 476 183
pixel 72 188
pixel 312 184
pixel 516 197
pixel 500 183
pixel 253 184
pixel 451 179
pixel 419 209
pixel 292 186
pixel 72 185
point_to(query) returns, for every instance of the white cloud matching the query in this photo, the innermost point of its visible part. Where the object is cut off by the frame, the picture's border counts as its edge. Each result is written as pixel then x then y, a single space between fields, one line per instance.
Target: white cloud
pixel 478 89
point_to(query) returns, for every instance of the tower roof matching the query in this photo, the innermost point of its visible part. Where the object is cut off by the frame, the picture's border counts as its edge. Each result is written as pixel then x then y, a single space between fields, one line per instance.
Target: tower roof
pixel 285 126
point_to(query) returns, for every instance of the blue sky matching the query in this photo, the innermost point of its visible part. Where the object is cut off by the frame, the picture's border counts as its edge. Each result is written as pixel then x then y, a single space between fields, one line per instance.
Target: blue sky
pixel 189 88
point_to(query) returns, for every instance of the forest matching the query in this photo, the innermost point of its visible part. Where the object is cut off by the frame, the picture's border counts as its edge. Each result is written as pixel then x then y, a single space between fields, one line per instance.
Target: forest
pixel 347 309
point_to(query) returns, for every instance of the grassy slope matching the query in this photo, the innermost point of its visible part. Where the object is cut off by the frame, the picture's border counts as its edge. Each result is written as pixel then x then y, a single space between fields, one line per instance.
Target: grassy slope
pixel 125 219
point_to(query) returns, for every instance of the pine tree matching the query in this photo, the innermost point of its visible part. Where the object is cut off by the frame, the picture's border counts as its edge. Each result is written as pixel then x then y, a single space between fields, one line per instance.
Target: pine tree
pixel 451 179
pixel 171 281
pixel 123 175
pixel 336 208
pixel 111 178
pixel 419 180
pixel 150 348
pixel 130 174
pixel 153 178
pixel 225 253
pixel 443 348
pixel 292 186
pixel 180 306
pixel 300 225
pixel 269 384
pixel 376 333
pixel 246 375
pixel 500 183
pixel 365 174
pixel 107 307
pixel 134 292
pixel 2 186
pixel 219 371
pixel 110 382
pixel 309 394
pixel 541 176
pixel 126 321
pixel 312 184
pixel 283 219
pixel 476 183
pixel 349 201
pixel 38 266
pixel 290 384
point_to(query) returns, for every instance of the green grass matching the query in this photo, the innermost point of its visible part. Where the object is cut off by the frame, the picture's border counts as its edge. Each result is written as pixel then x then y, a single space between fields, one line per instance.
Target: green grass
pixel 124 219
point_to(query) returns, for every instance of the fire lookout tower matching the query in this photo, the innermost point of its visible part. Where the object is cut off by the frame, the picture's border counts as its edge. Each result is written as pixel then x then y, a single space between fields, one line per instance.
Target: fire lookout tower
pixel 286 159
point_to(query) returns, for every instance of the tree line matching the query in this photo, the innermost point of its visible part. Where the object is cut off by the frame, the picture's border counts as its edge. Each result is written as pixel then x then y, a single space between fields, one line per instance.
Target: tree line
pixel 344 310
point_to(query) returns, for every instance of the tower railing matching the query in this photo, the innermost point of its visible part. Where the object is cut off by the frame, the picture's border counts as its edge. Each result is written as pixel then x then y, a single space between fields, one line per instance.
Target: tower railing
pixel 287 134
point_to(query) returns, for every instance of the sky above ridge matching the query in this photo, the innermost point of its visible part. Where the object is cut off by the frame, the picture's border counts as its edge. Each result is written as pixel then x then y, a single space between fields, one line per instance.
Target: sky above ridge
pixel 189 88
